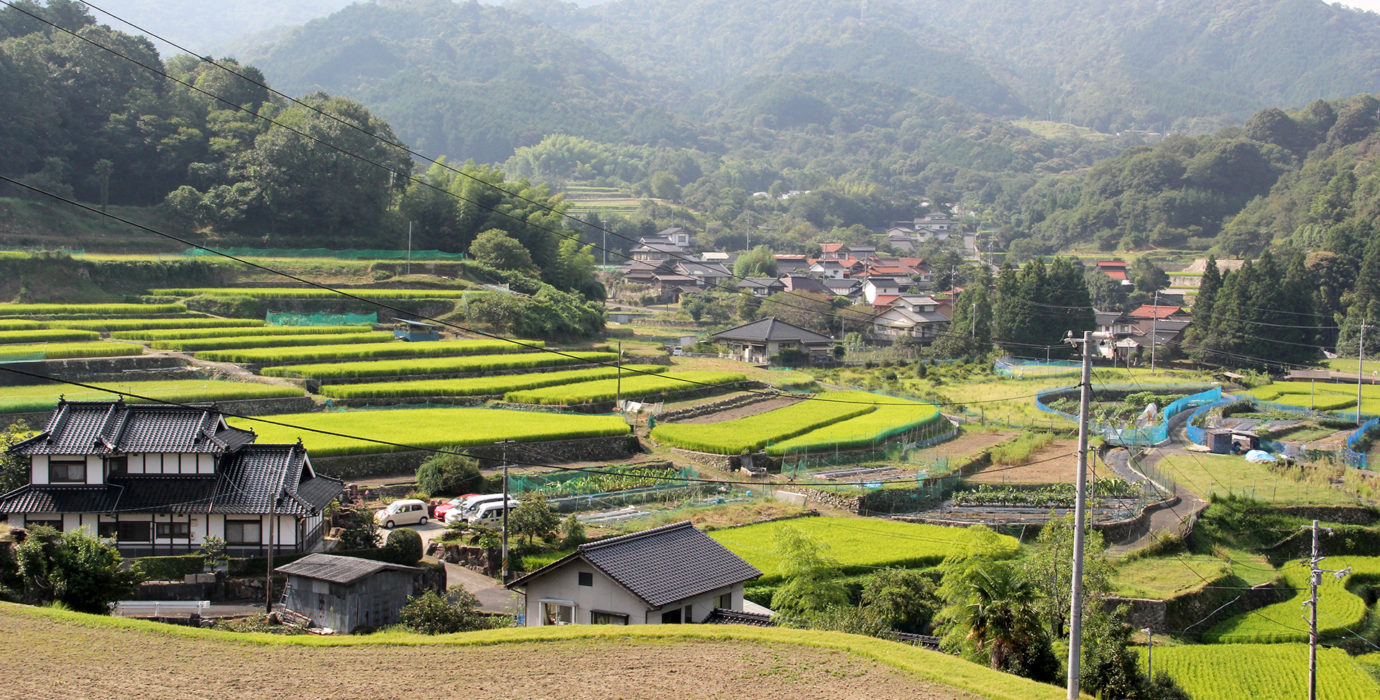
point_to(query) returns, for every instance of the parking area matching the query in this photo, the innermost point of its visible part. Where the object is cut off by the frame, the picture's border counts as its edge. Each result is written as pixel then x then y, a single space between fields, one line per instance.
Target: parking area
pixel 492 596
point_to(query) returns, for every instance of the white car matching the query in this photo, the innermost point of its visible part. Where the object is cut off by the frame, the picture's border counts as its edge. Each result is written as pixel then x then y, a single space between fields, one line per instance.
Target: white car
pixel 408 511
pixel 466 507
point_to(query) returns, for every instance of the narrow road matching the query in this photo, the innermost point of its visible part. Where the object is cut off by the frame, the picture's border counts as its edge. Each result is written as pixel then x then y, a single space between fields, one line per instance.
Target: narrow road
pixel 1172 520
pixel 493 597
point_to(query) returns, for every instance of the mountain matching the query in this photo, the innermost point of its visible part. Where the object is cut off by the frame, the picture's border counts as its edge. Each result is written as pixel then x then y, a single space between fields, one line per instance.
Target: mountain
pixel 204 29
pixel 468 80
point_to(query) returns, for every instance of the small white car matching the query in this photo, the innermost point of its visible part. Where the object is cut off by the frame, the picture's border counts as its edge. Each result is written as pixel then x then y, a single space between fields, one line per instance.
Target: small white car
pixel 408 511
pixel 466 508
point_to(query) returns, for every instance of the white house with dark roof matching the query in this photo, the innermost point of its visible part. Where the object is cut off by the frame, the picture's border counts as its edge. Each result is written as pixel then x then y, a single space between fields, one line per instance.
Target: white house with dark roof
pixel 759 341
pixel 667 575
pixel 159 479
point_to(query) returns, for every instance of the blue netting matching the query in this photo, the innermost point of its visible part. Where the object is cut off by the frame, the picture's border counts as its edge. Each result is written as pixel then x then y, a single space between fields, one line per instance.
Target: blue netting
pixel 1350 455
pixel 1148 435
pixel 1030 369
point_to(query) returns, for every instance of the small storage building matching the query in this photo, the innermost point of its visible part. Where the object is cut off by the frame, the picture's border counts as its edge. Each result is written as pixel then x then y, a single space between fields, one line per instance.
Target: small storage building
pixel 347 593
pixel 416 331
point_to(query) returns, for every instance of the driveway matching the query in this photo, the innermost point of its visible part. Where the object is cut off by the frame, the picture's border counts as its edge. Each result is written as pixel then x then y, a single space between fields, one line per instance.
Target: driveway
pixel 492 596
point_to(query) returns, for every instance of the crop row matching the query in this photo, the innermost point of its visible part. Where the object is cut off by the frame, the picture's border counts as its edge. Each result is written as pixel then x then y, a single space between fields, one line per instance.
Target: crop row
pixel 461 364
pixel 328 353
pixel 89 309
pixel 1337 606
pixel 186 333
pixel 107 325
pixel 428 428
pixel 66 351
pixel 1050 496
pixel 860 545
pixel 1255 671
pixel 311 293
pixel 474 386
pixel 610 478
pixel 271 341
pixel 892 417
pixel 755 432
pixel 42 397
pixel 47 335
pixel 631 386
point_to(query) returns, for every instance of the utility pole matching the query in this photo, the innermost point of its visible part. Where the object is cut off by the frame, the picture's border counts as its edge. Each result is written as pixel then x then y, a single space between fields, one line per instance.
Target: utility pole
pixel 972 321
pixel 504 444
pixel 618 391
pixel 409 247
pixel 1315 578
pixel 268 575
pixel 1149 652
pixel 1154 330
pixel 1360 362
pixel 1076 614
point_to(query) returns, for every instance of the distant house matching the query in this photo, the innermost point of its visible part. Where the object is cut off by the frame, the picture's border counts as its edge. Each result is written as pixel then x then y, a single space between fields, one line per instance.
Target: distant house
pixel 657 252
pixel 347 593
pixel 878 286
pixel 672 574
pixel 676 236
pixel 1115 269
pixel 1162 312
pixel 903 240
pixel 833 251
pixel 791 264
pixel 863 252
pixel 828 269
pixel 801 283
pixel 761 286
pixel 916 316
pixel 759 341
pixel 849 288
pixel 160 479
pixel 708 274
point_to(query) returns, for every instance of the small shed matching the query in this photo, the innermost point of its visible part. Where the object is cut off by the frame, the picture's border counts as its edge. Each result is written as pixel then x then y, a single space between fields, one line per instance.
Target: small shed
pixel 1225 441
pixel 416 331
pixel 347 593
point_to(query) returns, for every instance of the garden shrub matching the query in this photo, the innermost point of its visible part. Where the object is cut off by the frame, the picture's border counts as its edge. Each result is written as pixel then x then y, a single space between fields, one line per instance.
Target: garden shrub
pixel 444 474
pixel 404 547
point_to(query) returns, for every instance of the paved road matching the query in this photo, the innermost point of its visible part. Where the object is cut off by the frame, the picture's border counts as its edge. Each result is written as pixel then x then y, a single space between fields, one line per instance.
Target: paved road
pixel 1166 519
pixel 492 597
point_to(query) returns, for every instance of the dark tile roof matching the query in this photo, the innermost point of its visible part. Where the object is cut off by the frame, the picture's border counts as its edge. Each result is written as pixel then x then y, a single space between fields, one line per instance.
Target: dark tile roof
pixel 251 476
pixel 337 569
pixel 60 499
pixel 661 565
pixel 720 616
pixel 114 427
pixel 770 328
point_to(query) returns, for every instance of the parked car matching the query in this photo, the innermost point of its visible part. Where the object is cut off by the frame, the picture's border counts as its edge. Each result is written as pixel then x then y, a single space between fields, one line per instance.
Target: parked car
pixel 490 514
pixel 469 505
pixel 408 511
pixel 441 509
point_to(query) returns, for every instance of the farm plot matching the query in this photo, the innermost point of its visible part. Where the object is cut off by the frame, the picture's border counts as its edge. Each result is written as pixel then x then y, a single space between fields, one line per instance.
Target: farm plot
pixel 47 335
pixel 90 309
pixel 42 397
pixel 893 416
pixel 474 386
pixel 633 386
pixel 20 324
pixel 108 325
pixel 1031 459
pixel 1337 606
pixel 1321 396
pixel 428 428
pixel 328 353
pixel 271 341
pixel 1254 671
pixel 189 332
pixel 310 293
pixel 1223 475
pixel 340 371
pixel 860 545
pixel 66 351
pixel 755 432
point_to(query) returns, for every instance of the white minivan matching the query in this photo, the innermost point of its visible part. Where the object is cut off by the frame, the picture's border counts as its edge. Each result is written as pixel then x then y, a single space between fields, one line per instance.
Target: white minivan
pixel 408 511
pixel 469 505
pixel 489 515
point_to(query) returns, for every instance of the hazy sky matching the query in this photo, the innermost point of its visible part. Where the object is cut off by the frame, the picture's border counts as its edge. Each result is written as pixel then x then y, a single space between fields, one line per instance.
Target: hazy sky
pixel 1372 5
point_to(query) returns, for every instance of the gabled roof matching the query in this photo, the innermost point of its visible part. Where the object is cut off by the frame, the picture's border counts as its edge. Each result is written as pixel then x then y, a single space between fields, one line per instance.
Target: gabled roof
pixel 703 269
pixel 770 329
pixel 760 283
pixel 1106 318
pixel 905 318
pixel 841 284
pixel 832 247
pixel 885 299
pixel 114 427
pixel 338 569
pixel 661 565
pixel 880 280
pixel 1151 311
pixel 801 283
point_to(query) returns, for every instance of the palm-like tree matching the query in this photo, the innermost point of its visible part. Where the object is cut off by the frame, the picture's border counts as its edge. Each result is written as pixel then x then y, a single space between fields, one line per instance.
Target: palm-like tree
pixel 993 613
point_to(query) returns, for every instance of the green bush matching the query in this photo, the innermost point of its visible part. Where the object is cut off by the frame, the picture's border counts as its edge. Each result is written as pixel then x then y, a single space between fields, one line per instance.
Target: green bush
pixel 430 613
pixel 444 474
pixel 171 568
pixel 404 547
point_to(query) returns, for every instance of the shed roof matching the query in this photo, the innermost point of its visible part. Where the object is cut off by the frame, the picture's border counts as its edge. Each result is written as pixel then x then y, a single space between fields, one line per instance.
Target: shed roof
pixel 338 569
pixel 661 565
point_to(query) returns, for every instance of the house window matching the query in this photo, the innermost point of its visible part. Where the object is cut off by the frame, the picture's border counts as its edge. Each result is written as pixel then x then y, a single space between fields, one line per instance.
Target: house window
pixel 242 532
pixel 726 601
pixel 107 531
pixel 671 617
pixel 607 618
pixel 67 472
pixel 133 532
pixel 165 531
pixel 116 465
pixel 557 613
pixel 586 578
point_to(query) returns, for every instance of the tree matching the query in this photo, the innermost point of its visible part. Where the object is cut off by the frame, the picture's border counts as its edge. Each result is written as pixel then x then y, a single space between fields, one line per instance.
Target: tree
pixel 404 547
pixel 810 580
pixel 432 613
pixel 572 533
pixel 758 262
pixel 900 598
pixel 14 469
pixel 496 248
pixel 358 529
pixel 970 330
pixel 533 518
pixel 75 569
pixel 449 474
pixel 1047 570
pixel 990 615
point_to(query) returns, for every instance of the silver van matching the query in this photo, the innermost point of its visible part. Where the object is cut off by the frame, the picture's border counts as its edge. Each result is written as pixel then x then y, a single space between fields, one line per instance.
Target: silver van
pixel 408 511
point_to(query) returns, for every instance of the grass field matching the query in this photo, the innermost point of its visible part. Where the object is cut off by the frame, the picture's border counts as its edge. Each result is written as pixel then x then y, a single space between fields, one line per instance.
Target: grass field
pixel 272 341
pixel 186 333
pixel 311 293
pixel 439 365
pixel 1260 671
pixel 44 397
pixel 1337 606
pixel 1224 475
pixel 572 661
pixel 892 417
pixel 473 386
pixel 860 545
pixel 631 386
pixel 428 428
pixel 1161 578
pixel 331 353
pixel 65 351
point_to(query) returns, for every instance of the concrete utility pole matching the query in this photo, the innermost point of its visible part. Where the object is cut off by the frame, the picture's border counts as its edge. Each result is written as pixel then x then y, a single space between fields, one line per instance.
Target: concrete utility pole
pixel 1154 330
pixel 1360 362
pixel 1076 614
pixel 1149 652
pixel 618 387
pixel 268 575
pixel 1315 578
pixel 504 444
pixel 409 247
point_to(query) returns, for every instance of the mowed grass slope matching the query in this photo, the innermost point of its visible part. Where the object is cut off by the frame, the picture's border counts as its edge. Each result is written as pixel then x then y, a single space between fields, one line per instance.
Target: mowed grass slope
pixel 37 648
pixel 860 545
pixel 428 428
pixel 1261 671
pixel 44 397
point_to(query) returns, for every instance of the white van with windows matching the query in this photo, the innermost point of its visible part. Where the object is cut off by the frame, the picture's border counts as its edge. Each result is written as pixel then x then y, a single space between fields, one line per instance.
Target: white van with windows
pixel 470 505
pixel 490 515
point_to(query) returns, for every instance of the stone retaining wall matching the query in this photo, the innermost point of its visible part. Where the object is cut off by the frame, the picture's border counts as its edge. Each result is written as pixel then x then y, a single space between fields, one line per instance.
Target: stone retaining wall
pixel 1349 515
pixel 250 407
pixel 99 369
pixel 355 467
pixel 1198 610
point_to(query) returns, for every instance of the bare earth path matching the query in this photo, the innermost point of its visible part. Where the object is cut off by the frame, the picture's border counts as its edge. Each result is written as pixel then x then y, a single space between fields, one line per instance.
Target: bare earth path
pixel 45 658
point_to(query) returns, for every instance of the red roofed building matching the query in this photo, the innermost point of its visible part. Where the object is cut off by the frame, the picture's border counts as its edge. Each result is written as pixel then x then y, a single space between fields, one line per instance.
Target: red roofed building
pixel 883 301
pixel 1115 269
pixel 1150 311
pixel 833 251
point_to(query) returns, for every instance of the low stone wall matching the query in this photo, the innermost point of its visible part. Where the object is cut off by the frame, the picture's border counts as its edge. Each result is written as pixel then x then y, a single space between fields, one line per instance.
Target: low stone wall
pixel 708 459
pixel 1193 613
pixel 99 369
pixel 852 504
pixel 354 467
pixel 1349 515
pixel 714 407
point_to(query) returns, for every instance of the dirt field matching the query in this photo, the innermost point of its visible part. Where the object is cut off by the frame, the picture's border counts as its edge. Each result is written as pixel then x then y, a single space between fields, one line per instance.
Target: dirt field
pixel 969 443
pixel 751 409
pixel 44 658
pixel 1038 471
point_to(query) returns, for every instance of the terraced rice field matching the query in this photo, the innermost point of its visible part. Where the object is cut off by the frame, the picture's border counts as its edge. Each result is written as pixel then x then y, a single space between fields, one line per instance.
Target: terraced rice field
pixel 47 335
pixel 1321 396
pixel 892 417
pixel 631 386
pixel 331 353
pixel 311 293
pixel 1259 671
pixel 272 341
pixel 108 325
pixel 189 332
pixel 473 386
pixel 43 397
pixel 756 432
pixel 1337 606
pixel 67 351
pixel 462 364
pixel 427 428
pixel 89 309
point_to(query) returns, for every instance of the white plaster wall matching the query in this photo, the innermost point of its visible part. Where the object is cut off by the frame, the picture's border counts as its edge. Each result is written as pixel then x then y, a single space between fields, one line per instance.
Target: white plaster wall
pixel 39 470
